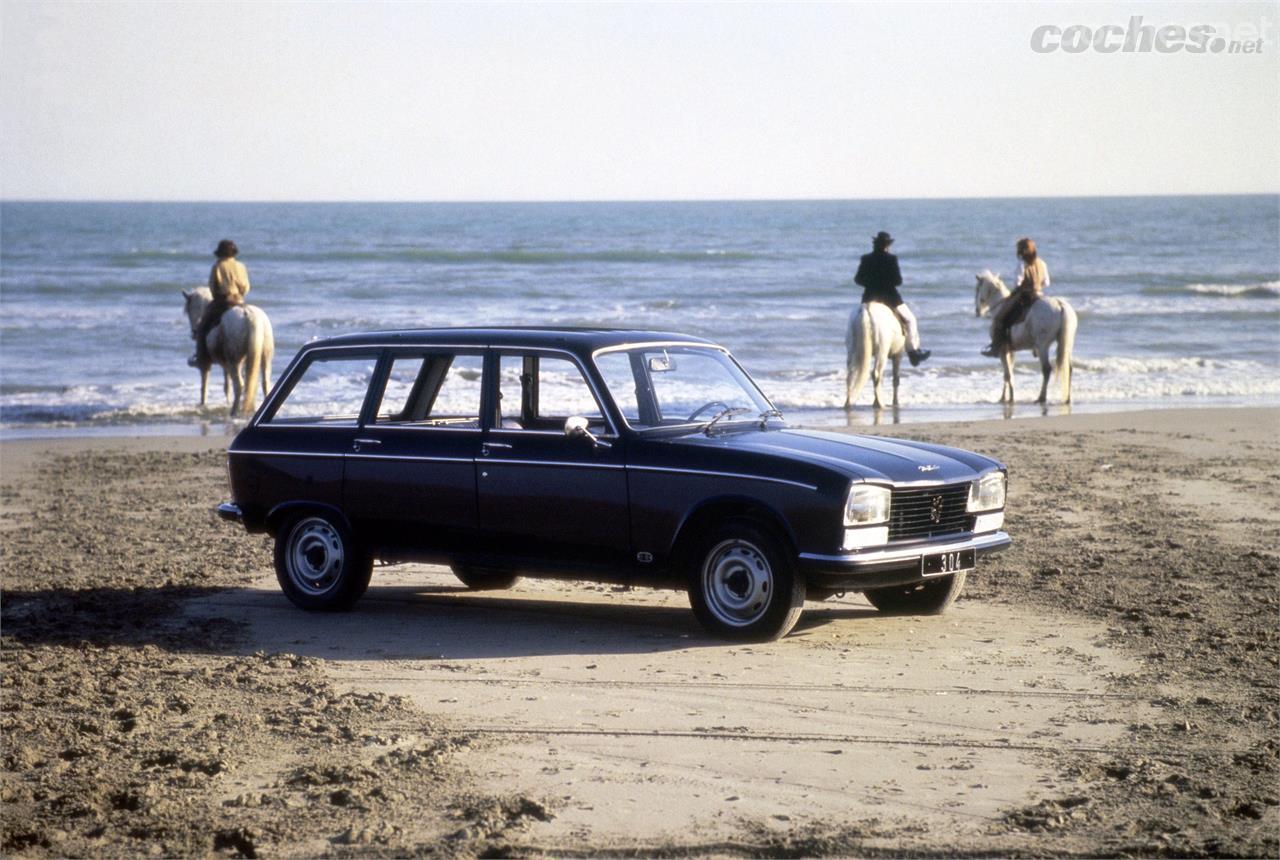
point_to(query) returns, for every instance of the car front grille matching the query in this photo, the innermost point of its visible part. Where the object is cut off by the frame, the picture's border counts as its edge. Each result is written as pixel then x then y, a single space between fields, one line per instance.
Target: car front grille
pixel 917 514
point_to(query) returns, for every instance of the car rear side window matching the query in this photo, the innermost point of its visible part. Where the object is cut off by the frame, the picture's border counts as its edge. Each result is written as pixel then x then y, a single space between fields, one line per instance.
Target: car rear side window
pixel 329 391
pixel 432 390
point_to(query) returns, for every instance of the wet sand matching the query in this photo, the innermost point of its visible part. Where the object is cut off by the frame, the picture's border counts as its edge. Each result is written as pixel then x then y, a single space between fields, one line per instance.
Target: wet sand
pixel 1108 686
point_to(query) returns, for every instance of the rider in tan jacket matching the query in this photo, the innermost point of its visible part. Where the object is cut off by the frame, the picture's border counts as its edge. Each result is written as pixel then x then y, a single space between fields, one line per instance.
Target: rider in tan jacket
pixel 229 283
pixel 1031 285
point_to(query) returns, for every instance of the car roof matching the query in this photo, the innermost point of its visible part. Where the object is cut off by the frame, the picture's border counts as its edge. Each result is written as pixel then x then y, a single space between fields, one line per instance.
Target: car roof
pixel 583 339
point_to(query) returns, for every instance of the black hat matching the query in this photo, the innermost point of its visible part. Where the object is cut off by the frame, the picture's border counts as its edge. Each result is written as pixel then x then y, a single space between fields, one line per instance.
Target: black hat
pixel 226 248
pixel 882 240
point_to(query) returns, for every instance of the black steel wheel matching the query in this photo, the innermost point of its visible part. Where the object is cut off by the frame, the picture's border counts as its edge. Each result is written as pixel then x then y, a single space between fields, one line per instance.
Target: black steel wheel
pixel 318 563
pixel 743 584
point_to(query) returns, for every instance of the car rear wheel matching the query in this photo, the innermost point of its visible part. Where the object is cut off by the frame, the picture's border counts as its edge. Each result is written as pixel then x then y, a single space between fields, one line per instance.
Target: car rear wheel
pixel 930 597
pixel 743 584
pixel 318 563
pixel 484 578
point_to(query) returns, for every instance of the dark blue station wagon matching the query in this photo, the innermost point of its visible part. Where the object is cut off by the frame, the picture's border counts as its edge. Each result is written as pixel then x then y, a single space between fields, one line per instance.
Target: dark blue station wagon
pixel 635 457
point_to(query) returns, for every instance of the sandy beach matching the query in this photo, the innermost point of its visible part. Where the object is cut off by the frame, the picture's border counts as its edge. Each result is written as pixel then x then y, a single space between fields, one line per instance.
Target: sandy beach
pixel 1106 687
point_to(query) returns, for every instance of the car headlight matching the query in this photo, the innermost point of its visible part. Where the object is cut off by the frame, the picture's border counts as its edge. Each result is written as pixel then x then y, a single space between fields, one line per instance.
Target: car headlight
pixel 866 505
pixel 987 493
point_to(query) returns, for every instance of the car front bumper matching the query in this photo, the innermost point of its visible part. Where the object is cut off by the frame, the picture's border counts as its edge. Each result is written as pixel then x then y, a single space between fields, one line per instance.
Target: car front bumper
pixel 890 565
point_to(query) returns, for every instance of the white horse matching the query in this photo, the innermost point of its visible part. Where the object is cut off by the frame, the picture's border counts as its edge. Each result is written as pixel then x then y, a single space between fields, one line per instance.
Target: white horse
pixel 242 343
pixel 1047 320
pixel 875 337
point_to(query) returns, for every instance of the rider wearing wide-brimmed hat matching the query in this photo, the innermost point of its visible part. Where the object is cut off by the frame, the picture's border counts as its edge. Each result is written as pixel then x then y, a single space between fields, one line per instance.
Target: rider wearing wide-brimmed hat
pixel 1032 281
pixel 880 277
pixel 229 283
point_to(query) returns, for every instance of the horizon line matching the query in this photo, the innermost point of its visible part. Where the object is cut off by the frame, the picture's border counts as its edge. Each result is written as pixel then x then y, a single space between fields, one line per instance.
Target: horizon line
pixel 494 201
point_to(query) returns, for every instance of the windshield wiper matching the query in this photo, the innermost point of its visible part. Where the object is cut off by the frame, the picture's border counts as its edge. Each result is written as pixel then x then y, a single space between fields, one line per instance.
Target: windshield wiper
pixel 766 415
pixel 723 413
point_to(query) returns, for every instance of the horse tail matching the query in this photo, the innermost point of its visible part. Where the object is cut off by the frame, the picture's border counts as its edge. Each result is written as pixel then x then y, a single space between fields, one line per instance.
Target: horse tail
pixel 1066 342
pixel 858 344
pixel 268 351
pixel 255 348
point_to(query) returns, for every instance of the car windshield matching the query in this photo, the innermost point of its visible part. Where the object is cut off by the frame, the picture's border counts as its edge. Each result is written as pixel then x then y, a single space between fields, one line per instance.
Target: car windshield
pixel 666 386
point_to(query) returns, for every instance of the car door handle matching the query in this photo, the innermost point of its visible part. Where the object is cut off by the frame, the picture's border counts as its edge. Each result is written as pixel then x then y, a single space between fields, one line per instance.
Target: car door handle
pixel 356 445
pixel 488 448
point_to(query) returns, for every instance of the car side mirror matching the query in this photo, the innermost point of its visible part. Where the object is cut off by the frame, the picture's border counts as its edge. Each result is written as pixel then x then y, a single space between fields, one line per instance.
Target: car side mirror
pixel 576 426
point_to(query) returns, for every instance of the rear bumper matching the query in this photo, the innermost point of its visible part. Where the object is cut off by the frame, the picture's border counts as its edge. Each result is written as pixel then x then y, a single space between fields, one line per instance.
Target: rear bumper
pixel 876 568
pixel 231 512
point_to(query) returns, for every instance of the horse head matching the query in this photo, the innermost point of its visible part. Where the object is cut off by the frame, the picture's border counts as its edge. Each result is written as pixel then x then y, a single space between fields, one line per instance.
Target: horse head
pixel 195 301
pixel 987 292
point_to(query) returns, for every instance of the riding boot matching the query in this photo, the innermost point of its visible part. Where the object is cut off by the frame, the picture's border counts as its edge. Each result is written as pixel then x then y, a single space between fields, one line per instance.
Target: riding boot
pixel 918 355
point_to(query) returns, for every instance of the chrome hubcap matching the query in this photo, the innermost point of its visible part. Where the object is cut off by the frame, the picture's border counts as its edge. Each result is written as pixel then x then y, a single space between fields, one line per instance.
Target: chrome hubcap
pixel 314 559
pixel 737 582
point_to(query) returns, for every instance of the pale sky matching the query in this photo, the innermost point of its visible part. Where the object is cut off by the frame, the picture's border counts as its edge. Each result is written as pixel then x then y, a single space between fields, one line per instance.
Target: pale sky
pixel 407 101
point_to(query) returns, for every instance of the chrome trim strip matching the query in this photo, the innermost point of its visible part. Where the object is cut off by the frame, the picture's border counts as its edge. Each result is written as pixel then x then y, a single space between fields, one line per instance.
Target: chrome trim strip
pixel 290 453
pixel 417 427
pixel 712 474
pixel 651 343
pixel 411 457
pixel 982 543
pixel 490 461
pixel 230 511
pixel 514 432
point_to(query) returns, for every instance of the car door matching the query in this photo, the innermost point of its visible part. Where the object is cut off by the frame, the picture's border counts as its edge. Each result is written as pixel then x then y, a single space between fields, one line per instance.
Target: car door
pixel 411 476
pixel 297 448
pixel 543 494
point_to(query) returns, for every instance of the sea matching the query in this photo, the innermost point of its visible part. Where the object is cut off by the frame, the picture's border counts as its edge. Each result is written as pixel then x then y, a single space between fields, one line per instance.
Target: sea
pixel 1178 297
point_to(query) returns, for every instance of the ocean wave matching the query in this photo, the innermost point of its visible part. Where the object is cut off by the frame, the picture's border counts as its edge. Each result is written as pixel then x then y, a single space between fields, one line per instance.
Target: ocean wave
pixel 1265 290
pixel 530 257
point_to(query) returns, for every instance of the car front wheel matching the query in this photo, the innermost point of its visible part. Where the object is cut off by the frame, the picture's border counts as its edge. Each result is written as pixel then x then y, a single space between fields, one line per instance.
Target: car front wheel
pixel 743 584
pixel 931 597
pixel 319 565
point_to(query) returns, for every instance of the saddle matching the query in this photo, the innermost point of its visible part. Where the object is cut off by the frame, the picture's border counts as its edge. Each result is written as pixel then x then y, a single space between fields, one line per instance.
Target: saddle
pixel 1020 303
pixel 901 322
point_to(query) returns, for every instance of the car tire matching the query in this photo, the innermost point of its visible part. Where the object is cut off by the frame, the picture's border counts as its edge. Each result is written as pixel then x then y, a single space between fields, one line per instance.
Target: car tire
pixel 319 565
pixel 743 583
pixel 930 597
pixel 484 578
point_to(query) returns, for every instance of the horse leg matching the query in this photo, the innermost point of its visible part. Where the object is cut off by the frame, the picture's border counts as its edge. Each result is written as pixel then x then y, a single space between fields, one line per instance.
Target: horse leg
pixel 204 385
pixel 237 385
pixel 876 373
pixel 226 385
pixel 897 368
pixel 1006 395
pixel 1045 369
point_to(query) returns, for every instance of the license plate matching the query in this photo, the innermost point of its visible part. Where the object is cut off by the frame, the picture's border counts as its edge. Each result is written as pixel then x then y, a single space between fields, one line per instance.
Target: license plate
pixel 943 563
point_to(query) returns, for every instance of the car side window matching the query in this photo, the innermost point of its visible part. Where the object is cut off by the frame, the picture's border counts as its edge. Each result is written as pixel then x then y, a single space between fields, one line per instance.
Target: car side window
pixel 432 390
pixel 620 379
pixel 538 392
pixel 330 391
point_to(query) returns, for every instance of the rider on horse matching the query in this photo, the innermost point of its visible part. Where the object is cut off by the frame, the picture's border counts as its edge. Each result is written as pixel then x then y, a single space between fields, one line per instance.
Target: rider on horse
pixel 879 276
pixel 229 283
pixel 1032 281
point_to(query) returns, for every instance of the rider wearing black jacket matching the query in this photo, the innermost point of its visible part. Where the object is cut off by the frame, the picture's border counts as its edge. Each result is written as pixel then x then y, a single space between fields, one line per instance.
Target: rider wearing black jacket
pixel 880 277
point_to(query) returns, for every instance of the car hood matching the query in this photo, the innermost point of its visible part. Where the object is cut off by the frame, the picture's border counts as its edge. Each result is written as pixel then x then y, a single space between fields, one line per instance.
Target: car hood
pixel 867 458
